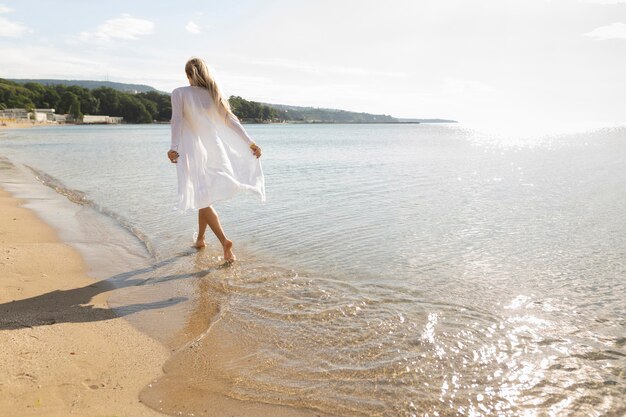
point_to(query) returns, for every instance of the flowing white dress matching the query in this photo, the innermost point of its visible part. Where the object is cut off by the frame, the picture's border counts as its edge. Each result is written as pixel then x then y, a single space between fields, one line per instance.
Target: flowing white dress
pixel 215 161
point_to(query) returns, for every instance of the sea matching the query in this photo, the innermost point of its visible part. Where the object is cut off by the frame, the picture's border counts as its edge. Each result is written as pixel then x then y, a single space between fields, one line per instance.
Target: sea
pixel 394 270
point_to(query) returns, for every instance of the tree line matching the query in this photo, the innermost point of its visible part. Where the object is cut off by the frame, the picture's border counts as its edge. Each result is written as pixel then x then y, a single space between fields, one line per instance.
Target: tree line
pixel 251 111
pixel 145 107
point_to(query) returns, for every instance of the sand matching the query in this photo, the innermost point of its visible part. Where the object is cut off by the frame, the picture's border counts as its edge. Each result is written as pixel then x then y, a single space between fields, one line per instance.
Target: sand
pixel 63 351
pixel 20 124
pixel 12 124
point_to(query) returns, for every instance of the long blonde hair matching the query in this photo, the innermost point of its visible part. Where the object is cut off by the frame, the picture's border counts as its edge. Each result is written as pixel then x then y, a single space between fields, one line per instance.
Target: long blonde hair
pixel 199 76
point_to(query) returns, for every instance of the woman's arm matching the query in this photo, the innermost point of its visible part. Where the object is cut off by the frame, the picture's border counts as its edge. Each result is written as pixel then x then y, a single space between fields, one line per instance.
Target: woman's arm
pixel 233 122
pixel 177 120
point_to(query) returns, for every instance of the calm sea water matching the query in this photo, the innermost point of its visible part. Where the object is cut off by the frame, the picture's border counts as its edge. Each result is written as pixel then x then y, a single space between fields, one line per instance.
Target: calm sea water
pixel 394 269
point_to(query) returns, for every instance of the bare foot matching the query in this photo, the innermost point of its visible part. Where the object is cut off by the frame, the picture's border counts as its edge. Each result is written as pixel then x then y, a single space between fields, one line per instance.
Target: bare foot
pixel 199 243
pixel 229 256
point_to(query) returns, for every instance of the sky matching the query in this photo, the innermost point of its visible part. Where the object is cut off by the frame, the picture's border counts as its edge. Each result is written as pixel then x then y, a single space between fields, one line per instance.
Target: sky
pixel 512 61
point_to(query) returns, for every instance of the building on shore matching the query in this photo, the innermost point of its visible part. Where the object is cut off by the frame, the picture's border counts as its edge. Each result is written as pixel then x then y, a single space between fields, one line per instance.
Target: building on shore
pixel 48 115
pixel 15 114
pixel 103 120
pixel 43 115
pixel 36 115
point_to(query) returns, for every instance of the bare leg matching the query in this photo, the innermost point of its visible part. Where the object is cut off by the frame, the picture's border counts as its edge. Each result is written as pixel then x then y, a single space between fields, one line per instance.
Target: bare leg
pixel 202 224
pixel 211 218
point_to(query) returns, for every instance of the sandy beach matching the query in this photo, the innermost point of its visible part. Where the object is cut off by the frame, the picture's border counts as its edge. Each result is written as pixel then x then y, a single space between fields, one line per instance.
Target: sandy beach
pixel 13 124
pixel 63 350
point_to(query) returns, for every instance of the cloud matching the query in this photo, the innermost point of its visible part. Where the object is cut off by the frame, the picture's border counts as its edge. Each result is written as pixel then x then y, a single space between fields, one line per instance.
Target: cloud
pixel 192 28
pixel 613 31
pixel 123 27
pixel 25 61
pixel 9 29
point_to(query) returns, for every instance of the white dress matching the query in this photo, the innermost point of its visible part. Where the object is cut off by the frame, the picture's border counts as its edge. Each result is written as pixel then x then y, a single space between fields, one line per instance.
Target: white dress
pixel 215 161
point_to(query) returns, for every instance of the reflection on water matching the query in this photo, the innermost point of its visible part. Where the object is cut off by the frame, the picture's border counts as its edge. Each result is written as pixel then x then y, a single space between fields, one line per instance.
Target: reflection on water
pixel 394 270
pixel 378 353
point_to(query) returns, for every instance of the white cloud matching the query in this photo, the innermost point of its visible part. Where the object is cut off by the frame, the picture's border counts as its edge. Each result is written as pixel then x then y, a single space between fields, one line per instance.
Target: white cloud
pixel 192 28
pixel 25 61
pixel 613 31
pixel 11 29
pixel 8 28
pixel 123 27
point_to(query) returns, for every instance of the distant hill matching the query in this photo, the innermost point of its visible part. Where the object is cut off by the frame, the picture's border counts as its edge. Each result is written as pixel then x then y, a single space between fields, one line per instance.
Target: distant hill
pixel 293 114
pixel 321 115
pixel 127 88
pixel 426 121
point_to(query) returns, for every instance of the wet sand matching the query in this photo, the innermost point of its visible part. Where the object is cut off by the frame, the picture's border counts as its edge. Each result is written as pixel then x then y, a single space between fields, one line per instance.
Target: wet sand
pixel 63 350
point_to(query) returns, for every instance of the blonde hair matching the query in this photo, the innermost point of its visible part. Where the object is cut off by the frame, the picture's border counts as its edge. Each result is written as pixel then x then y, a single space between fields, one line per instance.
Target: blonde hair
pixel 199 76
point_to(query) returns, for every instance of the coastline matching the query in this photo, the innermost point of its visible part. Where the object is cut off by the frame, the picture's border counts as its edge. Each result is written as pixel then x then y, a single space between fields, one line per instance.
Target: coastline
pixel 30 124
pixel 66 347
pixel 64 350
pixel 4 124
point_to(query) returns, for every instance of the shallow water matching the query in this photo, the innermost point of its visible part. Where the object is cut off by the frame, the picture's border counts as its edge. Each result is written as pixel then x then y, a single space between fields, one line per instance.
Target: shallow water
pixel 394 270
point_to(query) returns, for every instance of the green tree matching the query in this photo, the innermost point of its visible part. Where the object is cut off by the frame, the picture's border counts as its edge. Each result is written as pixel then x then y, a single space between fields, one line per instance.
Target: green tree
pixel 37 91
pixel 13 95
pixel 133 110
pixel 75 109
pixel 89 104
pixel 162 102
pixel 109 100
pixel 151 106
pixel 251 110
pixel 65 103
pixel 50 99
pixel 266 113
pixel 31 112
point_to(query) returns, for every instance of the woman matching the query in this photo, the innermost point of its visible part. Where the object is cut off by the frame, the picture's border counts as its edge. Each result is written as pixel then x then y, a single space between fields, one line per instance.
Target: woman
pixel 214 156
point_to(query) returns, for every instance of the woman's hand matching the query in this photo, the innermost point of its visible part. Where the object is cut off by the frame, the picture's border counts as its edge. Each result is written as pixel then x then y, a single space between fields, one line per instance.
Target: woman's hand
pixel 173 156
pixel 256 150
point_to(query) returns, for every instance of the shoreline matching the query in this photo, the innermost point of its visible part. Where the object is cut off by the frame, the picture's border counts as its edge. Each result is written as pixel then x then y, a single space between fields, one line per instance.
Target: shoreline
pixel 64 350
pixel 4 124
pixel 25 125
pixel 68 350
